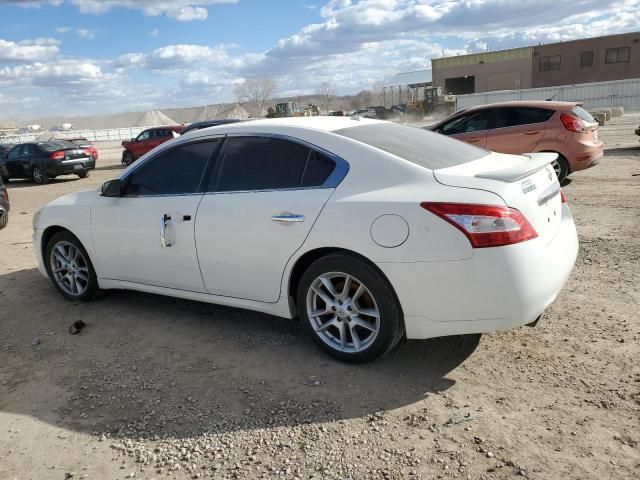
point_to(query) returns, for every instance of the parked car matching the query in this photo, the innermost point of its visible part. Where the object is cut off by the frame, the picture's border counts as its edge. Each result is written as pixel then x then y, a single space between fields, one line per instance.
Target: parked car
pixel 530 126
pixel 365 113
pixel 338 113
pixel 82 143
pixel 43 161
pixel 209 123
pixel 5 206
pixel 368 231
pixel 147 141
pixel 638 131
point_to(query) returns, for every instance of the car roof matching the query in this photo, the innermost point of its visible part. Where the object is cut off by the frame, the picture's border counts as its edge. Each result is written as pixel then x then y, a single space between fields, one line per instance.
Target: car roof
pixel 325 123
pixel 554 105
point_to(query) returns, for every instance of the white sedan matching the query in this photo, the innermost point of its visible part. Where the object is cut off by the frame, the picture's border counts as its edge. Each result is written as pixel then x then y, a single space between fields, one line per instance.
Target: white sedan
pixel 367 231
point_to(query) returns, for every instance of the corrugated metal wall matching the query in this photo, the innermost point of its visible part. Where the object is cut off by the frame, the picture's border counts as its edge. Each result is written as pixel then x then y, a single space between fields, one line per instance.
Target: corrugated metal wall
pixel 91 135
pixel 618 93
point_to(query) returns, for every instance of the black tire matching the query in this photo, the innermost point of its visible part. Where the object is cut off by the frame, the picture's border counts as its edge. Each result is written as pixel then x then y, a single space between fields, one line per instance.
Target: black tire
pixel 4 219
pixel 561 167
pixel 127 158
pixel 83 174
pixel 391 323
pixel 40 176
pixel 92 289
pixel 5 180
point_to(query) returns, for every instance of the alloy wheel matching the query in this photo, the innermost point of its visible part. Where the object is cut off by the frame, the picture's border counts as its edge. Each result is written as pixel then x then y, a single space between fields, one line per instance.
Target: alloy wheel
pixel 557 168
pixel 69 268
pixel 37 174
pixel 343 312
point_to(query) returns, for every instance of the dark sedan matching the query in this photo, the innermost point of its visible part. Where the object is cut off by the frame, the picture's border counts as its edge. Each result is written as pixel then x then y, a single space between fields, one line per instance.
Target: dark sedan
pixel 209 123
pixel 43 161
pixel 4 204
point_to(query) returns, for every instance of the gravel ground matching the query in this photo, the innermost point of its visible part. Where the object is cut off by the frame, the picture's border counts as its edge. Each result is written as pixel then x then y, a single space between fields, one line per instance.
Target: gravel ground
pixel 163 388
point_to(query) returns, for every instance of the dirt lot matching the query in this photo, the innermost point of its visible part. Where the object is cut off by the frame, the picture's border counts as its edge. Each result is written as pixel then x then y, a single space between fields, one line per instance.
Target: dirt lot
pixel 163 388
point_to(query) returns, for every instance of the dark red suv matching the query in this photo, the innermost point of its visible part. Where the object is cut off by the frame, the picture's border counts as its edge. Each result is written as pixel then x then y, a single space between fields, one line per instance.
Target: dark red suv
pixel 147 141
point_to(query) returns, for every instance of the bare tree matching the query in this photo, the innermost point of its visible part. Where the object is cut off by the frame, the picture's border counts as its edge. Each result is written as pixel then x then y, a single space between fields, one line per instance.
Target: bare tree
pixel 377 92
pixel 256 91
pixel 326 91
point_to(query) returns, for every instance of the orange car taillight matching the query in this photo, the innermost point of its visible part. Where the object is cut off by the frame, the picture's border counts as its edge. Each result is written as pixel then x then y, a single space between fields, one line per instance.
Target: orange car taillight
pixel 485 225
pixel 572 123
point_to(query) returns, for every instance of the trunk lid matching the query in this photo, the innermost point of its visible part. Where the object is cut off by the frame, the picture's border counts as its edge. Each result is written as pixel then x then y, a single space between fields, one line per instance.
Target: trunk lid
pixel 75 154
pixel 525 182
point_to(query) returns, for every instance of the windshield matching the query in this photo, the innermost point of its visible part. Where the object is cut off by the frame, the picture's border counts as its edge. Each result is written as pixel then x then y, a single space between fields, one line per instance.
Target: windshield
pixel 424 148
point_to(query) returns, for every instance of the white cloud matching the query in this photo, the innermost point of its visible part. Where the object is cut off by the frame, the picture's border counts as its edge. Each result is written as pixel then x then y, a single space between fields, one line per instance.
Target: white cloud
pixel 63 29
pixel 39 49
pixel 154 33
pixel 86 33
pixel 181 10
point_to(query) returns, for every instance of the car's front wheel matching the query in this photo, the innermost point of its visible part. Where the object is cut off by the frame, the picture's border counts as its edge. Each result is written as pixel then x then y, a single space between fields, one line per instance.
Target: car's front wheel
pixel 349 308
pixel 70 268
pixel 4 219
pixel 127 158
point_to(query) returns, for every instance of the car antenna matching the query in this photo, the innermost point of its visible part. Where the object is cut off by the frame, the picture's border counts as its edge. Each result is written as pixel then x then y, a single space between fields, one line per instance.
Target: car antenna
pixel 554 96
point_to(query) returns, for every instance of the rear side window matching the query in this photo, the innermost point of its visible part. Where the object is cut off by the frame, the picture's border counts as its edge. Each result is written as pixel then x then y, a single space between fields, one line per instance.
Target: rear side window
pixel 261 163
pixel 525 116
pixel 319 168
pixel 176 171
pixel 582 114
pixel 418 146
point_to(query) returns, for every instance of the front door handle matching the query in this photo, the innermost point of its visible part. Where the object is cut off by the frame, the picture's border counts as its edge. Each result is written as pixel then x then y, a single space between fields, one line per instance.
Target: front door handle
pixel 474 139
pixel 288 218
pixel 163 230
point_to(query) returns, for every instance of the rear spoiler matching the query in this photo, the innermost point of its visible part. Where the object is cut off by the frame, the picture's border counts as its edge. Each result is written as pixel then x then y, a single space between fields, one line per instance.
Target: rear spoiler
pixel 518 172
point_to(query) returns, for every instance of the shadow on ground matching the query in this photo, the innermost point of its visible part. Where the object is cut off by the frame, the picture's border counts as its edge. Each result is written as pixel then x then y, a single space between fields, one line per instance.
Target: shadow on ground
pixel 148 366
pixel 26 182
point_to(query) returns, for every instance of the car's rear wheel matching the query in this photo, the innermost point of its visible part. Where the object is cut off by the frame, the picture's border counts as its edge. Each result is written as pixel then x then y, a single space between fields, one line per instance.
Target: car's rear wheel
pixel 70 268
pixel 561 167
pixel 83 174
pixel 4 178
pixel 40 176
pixel 127 158
pixel 349 308
pixel 4 219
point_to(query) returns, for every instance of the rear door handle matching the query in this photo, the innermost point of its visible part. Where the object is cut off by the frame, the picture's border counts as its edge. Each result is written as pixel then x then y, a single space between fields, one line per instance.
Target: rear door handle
pixel 475 139
pixel 531 132
pixel 288 218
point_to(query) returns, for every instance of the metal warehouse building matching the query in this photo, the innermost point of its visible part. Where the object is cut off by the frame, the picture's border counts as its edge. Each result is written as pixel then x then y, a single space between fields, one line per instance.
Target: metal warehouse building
pixel 600 59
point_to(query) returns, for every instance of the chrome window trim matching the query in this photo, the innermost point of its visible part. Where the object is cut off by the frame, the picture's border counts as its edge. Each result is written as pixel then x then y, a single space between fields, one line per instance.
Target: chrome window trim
pixel 339 172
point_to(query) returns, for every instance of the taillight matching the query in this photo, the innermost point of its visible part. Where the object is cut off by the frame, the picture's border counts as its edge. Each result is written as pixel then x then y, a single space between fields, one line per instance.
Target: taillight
pixel 5 194
pixel 562 197
pixel 485 225
pixel 59 155
pixel 88 151
pixel 572 123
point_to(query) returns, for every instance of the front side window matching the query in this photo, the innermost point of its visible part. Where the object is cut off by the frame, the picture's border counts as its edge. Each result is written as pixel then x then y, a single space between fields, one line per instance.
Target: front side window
pixel 176 171
pixel 617 55
pixel 144 136
pixel 261 163
pixel 549 63
pixel 473 122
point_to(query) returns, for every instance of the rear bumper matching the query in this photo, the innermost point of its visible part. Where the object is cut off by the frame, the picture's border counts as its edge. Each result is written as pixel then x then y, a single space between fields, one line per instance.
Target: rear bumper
pixel 69 167
pixel 496 289
pixel 586 156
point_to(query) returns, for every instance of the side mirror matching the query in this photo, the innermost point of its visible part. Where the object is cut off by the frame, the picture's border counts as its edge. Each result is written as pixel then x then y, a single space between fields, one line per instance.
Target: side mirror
pixel 112 188
pixel 134 139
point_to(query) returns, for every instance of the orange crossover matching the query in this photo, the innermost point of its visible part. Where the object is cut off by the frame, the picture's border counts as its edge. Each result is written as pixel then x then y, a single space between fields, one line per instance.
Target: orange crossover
pixel 530 126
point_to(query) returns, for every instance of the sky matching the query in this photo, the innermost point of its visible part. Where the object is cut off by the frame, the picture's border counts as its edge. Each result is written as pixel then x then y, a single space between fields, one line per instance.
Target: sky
pixel 88 57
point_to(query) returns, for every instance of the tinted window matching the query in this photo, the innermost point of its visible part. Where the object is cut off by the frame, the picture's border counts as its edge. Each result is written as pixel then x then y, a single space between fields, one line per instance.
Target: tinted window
pixel 29 149
pixel 56 145
pixel 261 163
pixel 549 63
pixel 318 169
pixel 472 122
pixel 415 145
pixel 525 116
pixel 175 171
